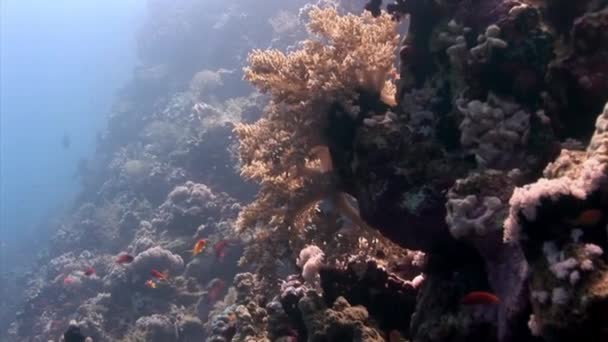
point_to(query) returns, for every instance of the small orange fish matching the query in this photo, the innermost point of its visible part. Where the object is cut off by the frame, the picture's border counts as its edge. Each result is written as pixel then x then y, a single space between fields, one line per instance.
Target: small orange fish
pixel 150 284
pixel 479 297
pixel 124 259
pixel 198 247
pixel 587 218
pixel 89 271
pixel 164 276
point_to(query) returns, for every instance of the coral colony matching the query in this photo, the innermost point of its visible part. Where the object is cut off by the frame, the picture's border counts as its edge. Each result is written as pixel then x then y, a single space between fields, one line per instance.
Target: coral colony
pixel 447 184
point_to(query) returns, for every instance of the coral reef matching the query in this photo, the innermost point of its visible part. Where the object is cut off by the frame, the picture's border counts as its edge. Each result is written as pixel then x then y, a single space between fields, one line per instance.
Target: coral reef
pixel 557 220
pixel 480 112
pixel 462 196
pixel 341 322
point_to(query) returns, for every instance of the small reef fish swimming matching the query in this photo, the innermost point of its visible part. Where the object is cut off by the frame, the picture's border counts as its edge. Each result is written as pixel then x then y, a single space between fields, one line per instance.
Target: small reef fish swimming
pixel 150 284
pixel 219 249
pixel 124 259
pixel 68 280
pixel 214 290
pixel 73 334
pixel 479 297
pixel 587 218
pixel 164 276
pixel 374 7
pixel 199 246
pixel 66 142
pixel 89 271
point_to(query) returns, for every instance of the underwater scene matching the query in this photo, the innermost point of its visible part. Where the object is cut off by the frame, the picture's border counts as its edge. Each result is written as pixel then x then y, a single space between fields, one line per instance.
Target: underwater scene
pixel 304 171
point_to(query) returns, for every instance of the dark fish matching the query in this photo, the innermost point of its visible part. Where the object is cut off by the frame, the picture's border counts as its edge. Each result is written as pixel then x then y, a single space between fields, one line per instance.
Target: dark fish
pixel 73 334
pixel 124 259
pixel 66 142
pixel 374 7
pixel 89 271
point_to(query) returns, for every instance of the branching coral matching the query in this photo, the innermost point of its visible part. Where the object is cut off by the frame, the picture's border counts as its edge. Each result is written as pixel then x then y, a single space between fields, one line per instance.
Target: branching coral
pixel 286 151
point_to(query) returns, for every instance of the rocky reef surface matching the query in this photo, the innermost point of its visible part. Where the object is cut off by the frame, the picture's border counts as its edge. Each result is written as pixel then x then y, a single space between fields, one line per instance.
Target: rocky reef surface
pixel 449 184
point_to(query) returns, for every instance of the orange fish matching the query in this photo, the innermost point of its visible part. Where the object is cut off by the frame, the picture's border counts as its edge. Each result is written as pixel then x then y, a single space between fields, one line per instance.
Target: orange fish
pixel 150 284
pixel 589 217
pixel 479 297
pixel 89 271
pixel 124 259
pixel 164 276
pixel 198 247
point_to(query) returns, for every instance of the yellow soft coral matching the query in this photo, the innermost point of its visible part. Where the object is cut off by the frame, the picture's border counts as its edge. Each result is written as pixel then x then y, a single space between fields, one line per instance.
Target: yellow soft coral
pixel 285 151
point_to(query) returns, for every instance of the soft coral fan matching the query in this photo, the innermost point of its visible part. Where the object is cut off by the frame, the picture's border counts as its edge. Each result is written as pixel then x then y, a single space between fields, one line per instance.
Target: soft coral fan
pixel 349 53
pixel 285 151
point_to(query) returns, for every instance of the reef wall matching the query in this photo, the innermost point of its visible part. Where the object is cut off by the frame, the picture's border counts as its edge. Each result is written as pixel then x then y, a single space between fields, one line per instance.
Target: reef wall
pixel 444 185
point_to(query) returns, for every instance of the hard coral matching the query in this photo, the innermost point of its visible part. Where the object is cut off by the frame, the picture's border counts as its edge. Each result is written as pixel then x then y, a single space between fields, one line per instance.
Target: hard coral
pixel 341 322
pixel 154 328
pixel 389 299
pixel 565 251
pixel 578 81
pixel 512 57
pixel 495 131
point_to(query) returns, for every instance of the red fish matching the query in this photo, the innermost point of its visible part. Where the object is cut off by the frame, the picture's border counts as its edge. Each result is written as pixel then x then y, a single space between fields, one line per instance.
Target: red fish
pixel 68 280
pixel 214 290
pixel 89 271
pixel 124 259
pixel 589 217
pixel 164 276
pixel 219 248
pixel 479 297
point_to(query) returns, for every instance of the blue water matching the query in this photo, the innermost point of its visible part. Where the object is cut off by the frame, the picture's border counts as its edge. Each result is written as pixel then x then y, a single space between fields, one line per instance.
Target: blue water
pixel 61 62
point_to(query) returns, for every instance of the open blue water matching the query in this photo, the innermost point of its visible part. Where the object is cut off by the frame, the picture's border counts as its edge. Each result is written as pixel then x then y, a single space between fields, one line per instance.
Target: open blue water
pixel 60 64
